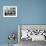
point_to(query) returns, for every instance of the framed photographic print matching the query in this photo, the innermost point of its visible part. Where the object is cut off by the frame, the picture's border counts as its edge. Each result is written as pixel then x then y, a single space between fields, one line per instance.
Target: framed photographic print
pixel 9 11
pixel 33 32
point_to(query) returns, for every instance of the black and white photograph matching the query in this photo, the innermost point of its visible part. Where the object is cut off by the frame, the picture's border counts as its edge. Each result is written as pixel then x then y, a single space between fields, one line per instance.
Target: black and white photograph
pixel 9 11
pixel 29 34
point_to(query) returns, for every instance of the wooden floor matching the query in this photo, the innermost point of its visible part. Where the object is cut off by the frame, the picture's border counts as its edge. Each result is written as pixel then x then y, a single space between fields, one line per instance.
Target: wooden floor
pixel 30 43
pixel 9 45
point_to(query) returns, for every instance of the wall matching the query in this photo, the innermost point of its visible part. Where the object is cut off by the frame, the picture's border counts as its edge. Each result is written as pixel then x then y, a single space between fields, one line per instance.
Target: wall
pixel 29 12
pixel 7 25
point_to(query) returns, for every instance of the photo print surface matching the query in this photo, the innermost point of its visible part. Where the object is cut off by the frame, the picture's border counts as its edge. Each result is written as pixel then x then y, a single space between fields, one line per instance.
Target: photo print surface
pixel 33 32
pixel 9 11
